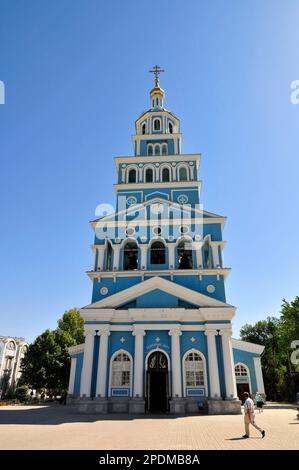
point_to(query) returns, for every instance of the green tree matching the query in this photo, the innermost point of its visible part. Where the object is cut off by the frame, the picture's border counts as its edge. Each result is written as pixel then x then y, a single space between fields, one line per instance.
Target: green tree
pixel 46 364
pixel 72 323
pixel 288 332
pixel 277 334
pixel 265 332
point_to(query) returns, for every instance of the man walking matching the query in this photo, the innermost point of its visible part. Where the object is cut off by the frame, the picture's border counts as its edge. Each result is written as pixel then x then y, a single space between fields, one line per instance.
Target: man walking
pixel 249 416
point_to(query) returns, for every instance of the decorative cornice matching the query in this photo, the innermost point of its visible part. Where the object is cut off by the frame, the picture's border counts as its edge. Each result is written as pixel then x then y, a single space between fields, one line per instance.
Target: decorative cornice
pixel 138 332
pixel 155 185
pixel 165 272
pixel 76 349
pixel 209 332
pixel 225 333
pixel 246 346
pixel 175 332
pixel 103 333
pixel 158 158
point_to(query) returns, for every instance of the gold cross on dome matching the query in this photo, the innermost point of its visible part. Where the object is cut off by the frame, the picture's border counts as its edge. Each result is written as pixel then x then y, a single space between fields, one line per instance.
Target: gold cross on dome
pixel 157 70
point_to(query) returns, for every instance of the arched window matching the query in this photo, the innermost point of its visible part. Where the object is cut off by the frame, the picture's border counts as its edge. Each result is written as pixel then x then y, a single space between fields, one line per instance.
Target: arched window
pixel 24 350
pixel 157 101
pixel 153 103
pixel 157 149
pixel 8 363
pixel 130 256
pixel 150 150
pixel 241 371
pixel 183 174
pixel 157 125
pixel 165 175
pixel 206 255
pixel 11 346
pixel 158 255
pixel 121 370
pixel 164 149
pixel 143 130
pixel 194 370
pixel 132 176
pixel 149 175
pixel 185 255
pixel 109 255
pixel 170 127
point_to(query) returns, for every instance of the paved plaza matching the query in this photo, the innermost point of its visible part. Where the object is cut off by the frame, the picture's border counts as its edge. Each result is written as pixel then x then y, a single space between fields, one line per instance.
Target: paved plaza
pixel 59 427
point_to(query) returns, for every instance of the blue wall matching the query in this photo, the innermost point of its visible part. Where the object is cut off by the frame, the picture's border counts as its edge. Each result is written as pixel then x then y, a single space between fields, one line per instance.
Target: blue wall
pixel 191 282
pixel 247 359
pixel 79 365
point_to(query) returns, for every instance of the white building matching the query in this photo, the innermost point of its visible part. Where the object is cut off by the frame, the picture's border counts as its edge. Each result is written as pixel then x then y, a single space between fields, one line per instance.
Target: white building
pixel 12 350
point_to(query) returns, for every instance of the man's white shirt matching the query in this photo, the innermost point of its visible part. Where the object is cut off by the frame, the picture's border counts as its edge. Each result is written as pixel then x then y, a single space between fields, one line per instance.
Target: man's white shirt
pixel 248 406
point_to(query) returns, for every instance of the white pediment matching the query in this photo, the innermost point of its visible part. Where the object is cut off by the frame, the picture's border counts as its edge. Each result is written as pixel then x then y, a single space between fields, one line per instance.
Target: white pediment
pixel 158 200
pixel 154 283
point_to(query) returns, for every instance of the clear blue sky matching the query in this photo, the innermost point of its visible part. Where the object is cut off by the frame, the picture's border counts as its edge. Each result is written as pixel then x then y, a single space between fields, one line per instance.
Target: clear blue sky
pixel 76 76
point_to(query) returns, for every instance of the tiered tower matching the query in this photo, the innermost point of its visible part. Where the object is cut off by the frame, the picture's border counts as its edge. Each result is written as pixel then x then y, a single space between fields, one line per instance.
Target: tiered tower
pixel 158 330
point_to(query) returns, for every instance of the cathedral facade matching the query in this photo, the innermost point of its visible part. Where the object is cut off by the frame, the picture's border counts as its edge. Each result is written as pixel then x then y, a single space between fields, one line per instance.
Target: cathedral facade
pixel 158 329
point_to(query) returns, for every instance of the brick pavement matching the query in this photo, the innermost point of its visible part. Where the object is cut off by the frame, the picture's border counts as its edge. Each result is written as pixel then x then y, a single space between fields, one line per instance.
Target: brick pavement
pixel 58 427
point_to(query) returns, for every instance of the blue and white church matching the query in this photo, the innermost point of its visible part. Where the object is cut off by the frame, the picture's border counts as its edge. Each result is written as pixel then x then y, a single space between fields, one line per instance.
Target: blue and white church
pixel 158 332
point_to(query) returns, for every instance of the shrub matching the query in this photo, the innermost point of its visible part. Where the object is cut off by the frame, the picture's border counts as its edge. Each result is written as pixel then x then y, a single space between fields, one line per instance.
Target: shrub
pixel 22 393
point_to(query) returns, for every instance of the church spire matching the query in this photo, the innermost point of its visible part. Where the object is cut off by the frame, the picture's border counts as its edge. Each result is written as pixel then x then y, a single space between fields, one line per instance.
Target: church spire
pixel 157 94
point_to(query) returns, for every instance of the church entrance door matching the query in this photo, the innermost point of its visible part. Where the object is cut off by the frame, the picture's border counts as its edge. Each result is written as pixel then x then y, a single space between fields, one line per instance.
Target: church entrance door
pixel 241 388
pixel 157 382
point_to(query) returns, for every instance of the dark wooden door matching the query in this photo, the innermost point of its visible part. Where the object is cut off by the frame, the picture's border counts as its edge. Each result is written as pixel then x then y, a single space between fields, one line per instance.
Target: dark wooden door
pixel 241 388
pixel 157 382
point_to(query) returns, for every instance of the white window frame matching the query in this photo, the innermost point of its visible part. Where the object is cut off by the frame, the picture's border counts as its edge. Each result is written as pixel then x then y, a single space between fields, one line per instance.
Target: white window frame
pixel 121 351
pixel 248 373
pixel 147 167
pixel 165 165
pixel 205 386
pixel 187 170
pixel 129 168
pixel 160 121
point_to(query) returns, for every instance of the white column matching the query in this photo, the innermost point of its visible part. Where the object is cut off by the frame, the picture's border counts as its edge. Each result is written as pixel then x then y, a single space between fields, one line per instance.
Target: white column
pixel 198 251
pixel 176 363
pixel 72 376
pixel 101 252
pixel 259 375
pixel 87 364
pixel 173 173
pixel 213 364
pixel 116 252
pixel 138 363
pixel 215 255
pixel 102 363
pixel 229 369
pixel 140 172
pixel 143 248
pixel 157 174
pixel 171 251
pixel 175 146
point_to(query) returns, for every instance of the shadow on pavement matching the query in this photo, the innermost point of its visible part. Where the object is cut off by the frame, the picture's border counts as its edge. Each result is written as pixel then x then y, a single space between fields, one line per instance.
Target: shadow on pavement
pixel 241 438
pixel 59 414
